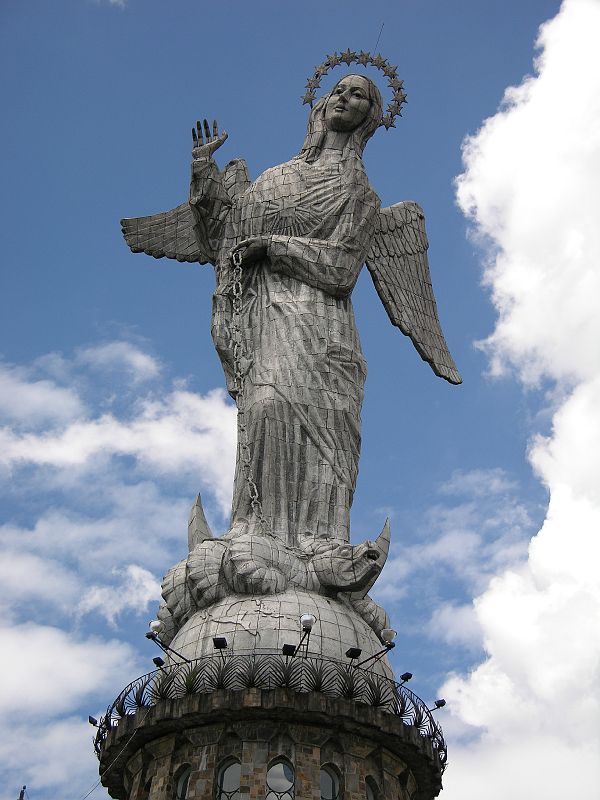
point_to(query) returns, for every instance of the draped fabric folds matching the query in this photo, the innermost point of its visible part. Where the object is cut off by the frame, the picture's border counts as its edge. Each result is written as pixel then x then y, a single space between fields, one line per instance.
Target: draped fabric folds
pixel 303 364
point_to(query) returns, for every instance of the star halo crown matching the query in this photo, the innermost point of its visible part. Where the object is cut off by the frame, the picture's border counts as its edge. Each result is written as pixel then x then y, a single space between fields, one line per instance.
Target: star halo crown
pixel 348 57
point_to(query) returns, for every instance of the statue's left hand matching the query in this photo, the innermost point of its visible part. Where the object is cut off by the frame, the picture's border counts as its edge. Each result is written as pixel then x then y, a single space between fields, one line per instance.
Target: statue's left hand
pixel 253 249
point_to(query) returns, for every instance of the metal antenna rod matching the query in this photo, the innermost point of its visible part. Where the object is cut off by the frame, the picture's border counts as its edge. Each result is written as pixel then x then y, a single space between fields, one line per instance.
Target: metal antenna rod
pixel 379 37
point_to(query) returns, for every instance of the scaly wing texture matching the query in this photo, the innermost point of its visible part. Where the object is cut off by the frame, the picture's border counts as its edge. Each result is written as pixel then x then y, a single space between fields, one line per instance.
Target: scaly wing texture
pixel 397 261
pixel 169 234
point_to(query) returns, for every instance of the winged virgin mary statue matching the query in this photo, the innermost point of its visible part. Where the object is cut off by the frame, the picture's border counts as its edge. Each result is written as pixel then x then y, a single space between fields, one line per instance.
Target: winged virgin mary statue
pixel 287 249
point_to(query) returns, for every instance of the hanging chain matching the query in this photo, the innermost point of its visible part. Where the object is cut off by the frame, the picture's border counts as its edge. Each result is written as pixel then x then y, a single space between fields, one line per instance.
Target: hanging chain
pixel 238 385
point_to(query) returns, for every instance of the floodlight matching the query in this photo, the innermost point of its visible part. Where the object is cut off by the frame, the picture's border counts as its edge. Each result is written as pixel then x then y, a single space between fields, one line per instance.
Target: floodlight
pixel 219 642
pixel 406 676
pixel 158 661
pixel 93 721
pixel 307 621
pixel 437 704
pixel 289 649
pixel 353 652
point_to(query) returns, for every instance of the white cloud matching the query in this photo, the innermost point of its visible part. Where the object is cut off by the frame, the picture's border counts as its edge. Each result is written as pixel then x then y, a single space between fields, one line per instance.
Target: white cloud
pixel 107 501
pixel 457 625
pixel 120 355
pixel 136 589
pixel 182 433
pixel 27 578
pixel 531 187
pixel 23 398
pixel 51 755
pixel 487 527
pixel 164 429
pixel 47 671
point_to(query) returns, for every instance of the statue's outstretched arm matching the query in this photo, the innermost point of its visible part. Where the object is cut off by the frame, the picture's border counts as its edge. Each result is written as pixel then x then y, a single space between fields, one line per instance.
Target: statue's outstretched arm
pixel 209 201
pixel 191 231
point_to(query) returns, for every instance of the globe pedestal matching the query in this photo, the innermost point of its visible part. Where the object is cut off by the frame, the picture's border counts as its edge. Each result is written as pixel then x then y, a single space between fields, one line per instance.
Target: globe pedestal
pixel 266 623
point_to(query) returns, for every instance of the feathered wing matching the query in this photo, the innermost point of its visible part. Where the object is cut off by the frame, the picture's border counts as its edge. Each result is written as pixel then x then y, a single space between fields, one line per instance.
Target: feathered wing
pixel 397 261
pixel 176 233
pixel 169 234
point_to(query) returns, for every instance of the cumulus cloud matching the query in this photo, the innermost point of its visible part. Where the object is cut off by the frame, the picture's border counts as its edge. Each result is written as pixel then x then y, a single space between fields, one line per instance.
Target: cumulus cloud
pixel 48 671
pixel 48 755
pixel 120 355
pixel 25 398
pixel 136 589
pixel 168 430
pixel 481 526
pixel 27 579
pixel 530 186
pixel 107 495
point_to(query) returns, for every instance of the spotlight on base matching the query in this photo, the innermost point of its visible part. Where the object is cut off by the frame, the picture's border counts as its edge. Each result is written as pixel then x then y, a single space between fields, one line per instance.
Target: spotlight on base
pixel 307 621
pixel 437 704
pixel 387 637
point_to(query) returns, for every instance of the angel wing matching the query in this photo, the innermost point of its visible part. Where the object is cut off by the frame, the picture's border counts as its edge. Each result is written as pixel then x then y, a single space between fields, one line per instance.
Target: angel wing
pixel 397 261
pixel 169 234
pixel 176 233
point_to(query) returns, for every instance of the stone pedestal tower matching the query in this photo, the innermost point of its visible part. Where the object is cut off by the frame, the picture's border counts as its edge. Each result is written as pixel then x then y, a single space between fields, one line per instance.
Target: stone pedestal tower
pixel 276 684
pixel 279 696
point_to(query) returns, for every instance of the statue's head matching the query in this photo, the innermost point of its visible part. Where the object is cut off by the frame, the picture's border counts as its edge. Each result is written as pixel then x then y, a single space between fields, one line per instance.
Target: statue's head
pixel 354 105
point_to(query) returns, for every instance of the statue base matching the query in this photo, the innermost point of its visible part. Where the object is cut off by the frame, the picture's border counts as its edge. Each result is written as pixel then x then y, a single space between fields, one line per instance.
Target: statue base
pixel 268 622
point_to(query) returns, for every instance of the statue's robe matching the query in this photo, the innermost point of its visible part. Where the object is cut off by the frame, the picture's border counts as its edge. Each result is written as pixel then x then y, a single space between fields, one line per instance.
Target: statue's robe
pixel 304 368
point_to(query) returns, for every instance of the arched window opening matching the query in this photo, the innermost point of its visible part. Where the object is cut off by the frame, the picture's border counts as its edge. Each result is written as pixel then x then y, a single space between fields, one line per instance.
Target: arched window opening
pixel 228 780
pixel 407 784
pixel 330 783
pixel 372 789
pixel 280 781
pixel 182 783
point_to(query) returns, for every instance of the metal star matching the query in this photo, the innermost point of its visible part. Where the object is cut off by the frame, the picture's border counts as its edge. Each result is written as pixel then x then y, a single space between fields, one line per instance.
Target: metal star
pixel 365 59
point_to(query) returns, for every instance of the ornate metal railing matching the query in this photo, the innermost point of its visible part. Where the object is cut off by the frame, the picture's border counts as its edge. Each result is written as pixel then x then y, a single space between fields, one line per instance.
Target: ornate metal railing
pixel 239 671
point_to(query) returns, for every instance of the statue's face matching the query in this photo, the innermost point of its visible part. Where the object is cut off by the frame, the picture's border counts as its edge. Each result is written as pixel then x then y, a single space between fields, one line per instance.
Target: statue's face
pixel 348 104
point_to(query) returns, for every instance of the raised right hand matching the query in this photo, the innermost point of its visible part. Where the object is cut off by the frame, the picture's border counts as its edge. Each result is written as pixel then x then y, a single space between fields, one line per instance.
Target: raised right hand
pixel 205 145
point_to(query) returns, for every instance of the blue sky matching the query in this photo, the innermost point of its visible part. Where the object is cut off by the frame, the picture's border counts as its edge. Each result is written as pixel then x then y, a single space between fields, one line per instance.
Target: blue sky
pixel 112 410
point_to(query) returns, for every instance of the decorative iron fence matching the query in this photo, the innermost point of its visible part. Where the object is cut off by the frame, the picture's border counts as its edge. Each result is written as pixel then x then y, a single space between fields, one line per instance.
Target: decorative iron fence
pixel 239 671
